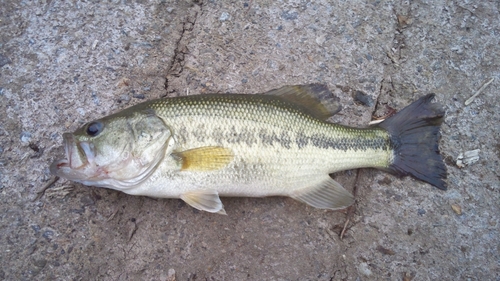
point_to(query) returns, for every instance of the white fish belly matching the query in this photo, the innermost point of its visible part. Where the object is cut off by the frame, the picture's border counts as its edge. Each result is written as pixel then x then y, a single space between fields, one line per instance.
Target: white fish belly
pixel 258 172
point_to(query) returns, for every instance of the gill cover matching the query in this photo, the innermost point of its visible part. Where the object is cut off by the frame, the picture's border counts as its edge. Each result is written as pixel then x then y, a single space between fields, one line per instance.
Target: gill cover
pixel 119 151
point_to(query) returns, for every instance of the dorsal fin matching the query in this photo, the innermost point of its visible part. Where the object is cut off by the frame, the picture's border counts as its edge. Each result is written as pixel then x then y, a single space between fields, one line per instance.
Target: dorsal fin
pixel 315 98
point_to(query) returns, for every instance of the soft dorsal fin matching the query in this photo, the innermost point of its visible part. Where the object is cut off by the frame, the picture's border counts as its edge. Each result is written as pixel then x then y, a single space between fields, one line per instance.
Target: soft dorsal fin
pixel 315 98
pixel 208 158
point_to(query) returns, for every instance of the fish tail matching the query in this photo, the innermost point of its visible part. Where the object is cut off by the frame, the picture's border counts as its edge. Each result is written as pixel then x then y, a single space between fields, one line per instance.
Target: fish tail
pixel 414 137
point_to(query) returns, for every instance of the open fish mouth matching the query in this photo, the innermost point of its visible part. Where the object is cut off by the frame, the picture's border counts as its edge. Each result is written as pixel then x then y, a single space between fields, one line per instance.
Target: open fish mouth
pixel 79 164
pixel 79 157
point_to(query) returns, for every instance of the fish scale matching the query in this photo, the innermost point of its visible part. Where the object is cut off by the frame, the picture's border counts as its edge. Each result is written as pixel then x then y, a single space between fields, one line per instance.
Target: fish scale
pixel 200 147
pixel 270 164
pixel 274 123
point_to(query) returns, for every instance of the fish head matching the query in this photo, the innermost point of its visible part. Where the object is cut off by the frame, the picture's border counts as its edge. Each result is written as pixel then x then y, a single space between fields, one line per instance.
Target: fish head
pixel 119 151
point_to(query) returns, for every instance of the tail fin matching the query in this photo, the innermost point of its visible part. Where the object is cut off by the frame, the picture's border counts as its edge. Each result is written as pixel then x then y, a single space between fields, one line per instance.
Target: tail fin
pixel 415 138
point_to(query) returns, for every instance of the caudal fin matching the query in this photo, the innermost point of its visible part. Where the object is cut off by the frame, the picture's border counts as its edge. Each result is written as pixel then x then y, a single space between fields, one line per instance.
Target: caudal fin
pixel 415 140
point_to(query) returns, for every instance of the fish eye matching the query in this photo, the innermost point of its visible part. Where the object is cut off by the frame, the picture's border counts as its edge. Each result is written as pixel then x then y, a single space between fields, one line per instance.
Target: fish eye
pixel 94 128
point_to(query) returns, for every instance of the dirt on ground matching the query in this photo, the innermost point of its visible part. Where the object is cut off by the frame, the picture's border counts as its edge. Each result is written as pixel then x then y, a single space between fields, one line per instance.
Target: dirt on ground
pixel 64 63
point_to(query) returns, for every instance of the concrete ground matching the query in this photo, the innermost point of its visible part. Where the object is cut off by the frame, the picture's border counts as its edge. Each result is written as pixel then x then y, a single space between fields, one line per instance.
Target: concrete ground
pixel 64 63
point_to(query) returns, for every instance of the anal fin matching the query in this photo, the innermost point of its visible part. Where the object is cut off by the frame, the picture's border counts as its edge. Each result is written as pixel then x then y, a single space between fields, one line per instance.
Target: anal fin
pixel 328 194
pixel 204 200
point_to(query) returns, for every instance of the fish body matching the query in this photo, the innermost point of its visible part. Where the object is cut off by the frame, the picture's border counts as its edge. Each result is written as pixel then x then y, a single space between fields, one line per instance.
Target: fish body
pixel 200 147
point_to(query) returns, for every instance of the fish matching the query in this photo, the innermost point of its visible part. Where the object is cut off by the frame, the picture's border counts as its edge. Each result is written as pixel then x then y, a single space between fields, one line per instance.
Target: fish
pixel 279 143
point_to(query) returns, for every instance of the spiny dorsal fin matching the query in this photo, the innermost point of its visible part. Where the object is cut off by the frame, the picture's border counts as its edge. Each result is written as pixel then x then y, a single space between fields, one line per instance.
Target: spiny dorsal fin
pixel 327 194
pixel 208 158
pixel 204 200
pixel 315 98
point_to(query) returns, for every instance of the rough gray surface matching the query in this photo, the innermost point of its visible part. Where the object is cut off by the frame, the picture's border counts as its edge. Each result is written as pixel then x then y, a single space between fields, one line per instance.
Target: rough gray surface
pixel 63 64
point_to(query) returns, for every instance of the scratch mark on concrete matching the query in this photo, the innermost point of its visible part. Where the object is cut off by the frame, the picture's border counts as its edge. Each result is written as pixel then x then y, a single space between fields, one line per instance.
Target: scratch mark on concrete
pixel 178 60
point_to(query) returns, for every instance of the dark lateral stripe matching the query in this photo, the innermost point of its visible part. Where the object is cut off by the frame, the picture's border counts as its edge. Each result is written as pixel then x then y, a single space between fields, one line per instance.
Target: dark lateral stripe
pixel 271 138
pixel 358 142
pixel 343 143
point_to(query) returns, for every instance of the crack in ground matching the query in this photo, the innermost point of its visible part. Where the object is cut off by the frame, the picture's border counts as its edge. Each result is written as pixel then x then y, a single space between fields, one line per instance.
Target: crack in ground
pixel 178 59
pixel 402 15
pixel 351 209
pixel 386 86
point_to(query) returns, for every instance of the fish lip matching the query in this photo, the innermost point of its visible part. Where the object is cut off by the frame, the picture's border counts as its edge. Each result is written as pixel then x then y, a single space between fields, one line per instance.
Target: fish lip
pixel 78 155
pixel 68 140
pixel 57 165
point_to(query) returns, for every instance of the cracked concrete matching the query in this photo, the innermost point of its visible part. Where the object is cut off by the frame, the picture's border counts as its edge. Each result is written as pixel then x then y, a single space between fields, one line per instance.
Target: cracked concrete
pixel 63 64
pixel 177 63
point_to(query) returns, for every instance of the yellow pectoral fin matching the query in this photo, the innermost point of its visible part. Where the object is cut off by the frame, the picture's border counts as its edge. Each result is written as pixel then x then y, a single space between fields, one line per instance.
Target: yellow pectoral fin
pixel 207 158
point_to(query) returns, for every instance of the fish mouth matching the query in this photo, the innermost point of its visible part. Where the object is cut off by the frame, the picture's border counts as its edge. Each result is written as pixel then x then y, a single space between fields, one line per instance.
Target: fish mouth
pixel 79 157
pixel 80 165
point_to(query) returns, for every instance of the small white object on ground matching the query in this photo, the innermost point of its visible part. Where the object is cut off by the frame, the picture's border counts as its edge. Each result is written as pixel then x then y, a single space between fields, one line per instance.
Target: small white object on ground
pixel 471 99
pixel 468 158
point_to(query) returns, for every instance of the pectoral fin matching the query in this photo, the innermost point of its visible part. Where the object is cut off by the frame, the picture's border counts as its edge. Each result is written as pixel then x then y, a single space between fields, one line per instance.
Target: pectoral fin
pixel 207 158
pixel 204 200
pixel 328 194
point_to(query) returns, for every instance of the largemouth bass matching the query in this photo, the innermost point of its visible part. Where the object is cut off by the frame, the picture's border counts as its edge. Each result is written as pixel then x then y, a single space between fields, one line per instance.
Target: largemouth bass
pixel 200 147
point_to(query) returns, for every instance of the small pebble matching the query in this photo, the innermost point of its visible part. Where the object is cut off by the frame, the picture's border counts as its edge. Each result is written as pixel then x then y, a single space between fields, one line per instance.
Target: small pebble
pixel 320 40
pixel 95 98
pixel 87 200
pixel 363 98
pixel 48 234
pixel 364 269
pixel 468 158
pixel 224 17
pixel 81 111
pixel 124 98
pixel 4 60
pixel 40 263
pixel 25 137
pixel 456 208
pixel 171 274
pixel 36 228
pixel 289 15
